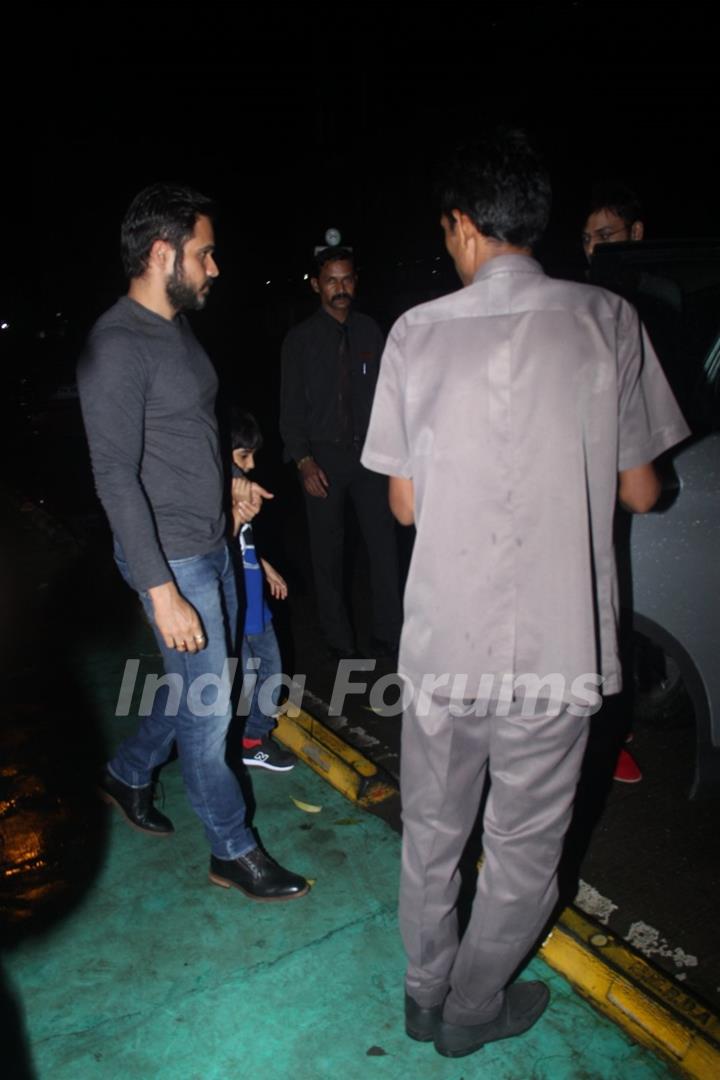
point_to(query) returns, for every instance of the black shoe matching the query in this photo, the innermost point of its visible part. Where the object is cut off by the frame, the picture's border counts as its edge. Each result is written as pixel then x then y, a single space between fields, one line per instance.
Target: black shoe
pixel 270 755
pixel 524 1003
pixel 258 876
pixel 136 804
pixel 421 1023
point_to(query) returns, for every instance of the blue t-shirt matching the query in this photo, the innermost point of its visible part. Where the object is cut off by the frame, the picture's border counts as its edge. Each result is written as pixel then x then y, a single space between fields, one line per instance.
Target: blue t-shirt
pixel 257 613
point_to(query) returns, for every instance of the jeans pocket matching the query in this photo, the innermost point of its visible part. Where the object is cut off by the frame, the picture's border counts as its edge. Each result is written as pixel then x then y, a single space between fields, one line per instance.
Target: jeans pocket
pixel 185 562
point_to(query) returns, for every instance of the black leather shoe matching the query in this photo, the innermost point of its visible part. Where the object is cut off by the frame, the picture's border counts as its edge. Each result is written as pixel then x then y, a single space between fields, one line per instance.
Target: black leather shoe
pixel 421 1023
pixel 136 805
pixel 258 876
pixel 524 1003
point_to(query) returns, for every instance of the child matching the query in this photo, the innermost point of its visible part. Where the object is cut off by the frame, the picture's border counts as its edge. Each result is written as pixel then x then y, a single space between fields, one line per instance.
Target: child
pixel 260 652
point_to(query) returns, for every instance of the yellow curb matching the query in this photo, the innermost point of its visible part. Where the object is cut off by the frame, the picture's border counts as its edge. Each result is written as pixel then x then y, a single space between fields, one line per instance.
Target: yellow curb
pixel 345 768
pixel 651 1008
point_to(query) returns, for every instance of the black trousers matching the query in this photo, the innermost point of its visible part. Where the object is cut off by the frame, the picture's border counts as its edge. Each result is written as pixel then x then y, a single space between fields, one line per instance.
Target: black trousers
pixel 347 478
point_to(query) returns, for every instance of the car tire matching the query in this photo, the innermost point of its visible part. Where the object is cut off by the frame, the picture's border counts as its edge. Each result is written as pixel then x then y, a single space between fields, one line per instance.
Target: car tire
pixel 660 697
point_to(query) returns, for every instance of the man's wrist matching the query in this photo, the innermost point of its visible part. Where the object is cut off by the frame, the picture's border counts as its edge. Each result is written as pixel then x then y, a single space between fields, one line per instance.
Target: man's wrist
pixel 162 593
pixel 302 460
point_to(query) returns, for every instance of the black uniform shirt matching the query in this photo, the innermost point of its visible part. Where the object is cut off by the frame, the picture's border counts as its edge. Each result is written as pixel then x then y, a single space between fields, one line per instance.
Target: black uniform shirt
pixel 309 403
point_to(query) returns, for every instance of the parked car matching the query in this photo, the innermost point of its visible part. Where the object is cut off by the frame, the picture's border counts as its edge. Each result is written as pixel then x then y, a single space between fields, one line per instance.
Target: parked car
pixel 674 551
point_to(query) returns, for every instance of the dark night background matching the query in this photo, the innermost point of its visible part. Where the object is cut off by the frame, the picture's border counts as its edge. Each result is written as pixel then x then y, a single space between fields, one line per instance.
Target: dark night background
pixel 298 118
pixel 301 117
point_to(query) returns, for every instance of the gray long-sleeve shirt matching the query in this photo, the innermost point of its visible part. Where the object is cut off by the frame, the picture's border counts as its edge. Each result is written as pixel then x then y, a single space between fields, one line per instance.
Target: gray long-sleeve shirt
pixel 147 391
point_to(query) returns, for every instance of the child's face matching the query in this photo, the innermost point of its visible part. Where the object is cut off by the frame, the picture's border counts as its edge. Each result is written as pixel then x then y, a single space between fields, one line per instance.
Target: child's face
pixel 244 459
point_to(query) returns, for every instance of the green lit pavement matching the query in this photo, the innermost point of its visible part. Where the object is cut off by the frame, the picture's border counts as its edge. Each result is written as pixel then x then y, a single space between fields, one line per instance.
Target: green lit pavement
pixel 158 974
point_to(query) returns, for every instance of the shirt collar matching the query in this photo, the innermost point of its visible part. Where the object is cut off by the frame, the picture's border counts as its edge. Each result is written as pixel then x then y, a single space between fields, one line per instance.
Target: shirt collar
pixel 506 264
pixel 322 314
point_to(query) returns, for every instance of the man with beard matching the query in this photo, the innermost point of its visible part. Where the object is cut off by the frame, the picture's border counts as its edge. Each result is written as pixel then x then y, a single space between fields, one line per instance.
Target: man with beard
pixel 330 365
pixel 147 391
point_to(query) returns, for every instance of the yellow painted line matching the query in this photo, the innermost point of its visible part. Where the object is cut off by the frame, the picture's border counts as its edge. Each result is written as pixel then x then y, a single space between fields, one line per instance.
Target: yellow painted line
pixel 652 1009
pixel 341 765
pixel 322 734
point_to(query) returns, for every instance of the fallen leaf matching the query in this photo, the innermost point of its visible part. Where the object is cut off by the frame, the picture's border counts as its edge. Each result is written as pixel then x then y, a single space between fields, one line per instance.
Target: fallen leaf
pixel 306 806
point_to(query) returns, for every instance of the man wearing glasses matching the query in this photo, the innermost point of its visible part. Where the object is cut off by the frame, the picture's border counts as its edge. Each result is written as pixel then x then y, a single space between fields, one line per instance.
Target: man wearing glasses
pixel 615 215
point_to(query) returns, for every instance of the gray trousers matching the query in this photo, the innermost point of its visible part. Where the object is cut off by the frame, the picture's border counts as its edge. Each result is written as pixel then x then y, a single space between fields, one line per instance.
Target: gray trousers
pixel 534 765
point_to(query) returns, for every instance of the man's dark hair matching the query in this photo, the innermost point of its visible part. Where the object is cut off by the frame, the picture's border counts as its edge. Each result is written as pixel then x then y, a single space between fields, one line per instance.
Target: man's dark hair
pixel 622 200
pixel 332 254
pixel 159 212
pixel 500 182
pixel 245 431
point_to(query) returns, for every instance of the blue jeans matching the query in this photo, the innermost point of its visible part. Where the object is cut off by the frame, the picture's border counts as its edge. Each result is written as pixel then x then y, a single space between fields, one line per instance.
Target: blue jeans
pixel 261 658
pixel 201 711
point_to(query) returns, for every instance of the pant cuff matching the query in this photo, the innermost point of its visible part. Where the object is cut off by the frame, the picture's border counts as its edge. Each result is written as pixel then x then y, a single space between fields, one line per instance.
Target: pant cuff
pixel 228 856
pixel 464 1017
pixel 427 999
pixel 122 780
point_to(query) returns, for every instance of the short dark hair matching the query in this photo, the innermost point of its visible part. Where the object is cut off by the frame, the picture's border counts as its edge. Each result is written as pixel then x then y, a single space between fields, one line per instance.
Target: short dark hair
pixel 159 212
pixel 618 197
pixel 500 182
pixel 245 431
pixel 332 254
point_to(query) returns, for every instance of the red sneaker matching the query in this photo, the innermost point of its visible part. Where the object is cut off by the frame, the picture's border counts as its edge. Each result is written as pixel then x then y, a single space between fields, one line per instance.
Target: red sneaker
pixel 627 770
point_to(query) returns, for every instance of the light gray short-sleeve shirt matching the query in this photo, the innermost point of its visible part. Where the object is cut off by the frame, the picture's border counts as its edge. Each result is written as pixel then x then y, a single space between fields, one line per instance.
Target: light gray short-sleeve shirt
pixel 512 404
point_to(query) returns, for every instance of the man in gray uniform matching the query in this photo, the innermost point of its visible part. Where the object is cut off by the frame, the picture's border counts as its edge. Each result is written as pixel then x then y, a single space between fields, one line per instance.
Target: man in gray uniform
pixel 147 390
pixel 510 416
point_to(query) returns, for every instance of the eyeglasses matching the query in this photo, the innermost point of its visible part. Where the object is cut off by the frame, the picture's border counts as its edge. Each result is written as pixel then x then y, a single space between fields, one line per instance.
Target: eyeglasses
pixel 601 236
